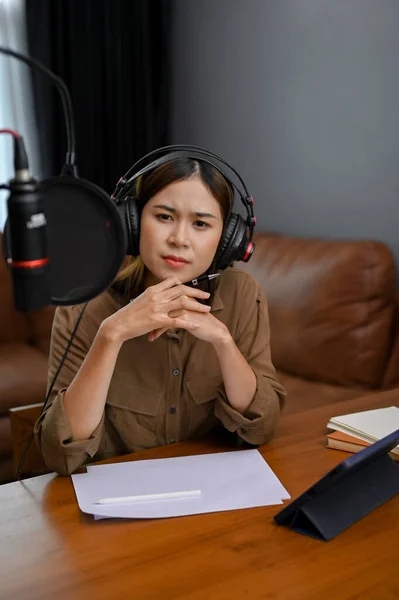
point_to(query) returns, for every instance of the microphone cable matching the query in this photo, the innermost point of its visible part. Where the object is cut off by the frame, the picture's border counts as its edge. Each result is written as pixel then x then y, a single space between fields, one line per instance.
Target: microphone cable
pixel 69 167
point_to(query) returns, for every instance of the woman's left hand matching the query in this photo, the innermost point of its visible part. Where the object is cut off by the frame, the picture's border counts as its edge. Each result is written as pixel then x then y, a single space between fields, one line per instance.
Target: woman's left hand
pixel 210 328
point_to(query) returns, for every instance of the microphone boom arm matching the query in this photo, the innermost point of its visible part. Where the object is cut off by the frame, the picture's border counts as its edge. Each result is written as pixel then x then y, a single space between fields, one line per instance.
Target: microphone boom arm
pixel 70 165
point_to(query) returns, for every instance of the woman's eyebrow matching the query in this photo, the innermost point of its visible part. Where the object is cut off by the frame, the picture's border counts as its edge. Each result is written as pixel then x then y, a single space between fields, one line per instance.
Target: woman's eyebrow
pixel 196 214
pixel 204 214
pixel 164 207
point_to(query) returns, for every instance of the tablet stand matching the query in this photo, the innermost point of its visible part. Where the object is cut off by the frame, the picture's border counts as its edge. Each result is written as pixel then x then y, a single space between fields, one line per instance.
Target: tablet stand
pixel 328 513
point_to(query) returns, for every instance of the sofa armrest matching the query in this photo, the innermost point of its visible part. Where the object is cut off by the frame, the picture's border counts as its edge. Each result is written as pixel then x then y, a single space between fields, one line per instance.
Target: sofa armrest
pixel 391 375
pixel 23 419
pixel 23 375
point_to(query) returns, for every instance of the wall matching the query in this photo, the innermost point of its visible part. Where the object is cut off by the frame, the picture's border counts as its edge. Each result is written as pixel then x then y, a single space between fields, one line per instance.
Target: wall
pixel 302 96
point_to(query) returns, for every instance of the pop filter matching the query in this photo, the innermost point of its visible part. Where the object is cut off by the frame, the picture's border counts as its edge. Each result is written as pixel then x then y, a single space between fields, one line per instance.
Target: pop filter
pixel 86 242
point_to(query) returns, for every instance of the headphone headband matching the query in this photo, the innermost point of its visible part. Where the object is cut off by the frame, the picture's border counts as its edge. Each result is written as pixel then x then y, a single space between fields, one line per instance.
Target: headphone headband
pixel 188 151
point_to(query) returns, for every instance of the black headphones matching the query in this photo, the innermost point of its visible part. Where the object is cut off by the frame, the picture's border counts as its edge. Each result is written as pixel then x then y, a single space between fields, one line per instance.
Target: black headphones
pixel 236 241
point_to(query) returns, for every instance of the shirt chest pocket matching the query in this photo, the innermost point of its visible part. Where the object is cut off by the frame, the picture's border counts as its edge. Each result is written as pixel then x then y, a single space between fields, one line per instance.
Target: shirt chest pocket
pixel 203 394
pixel 133 412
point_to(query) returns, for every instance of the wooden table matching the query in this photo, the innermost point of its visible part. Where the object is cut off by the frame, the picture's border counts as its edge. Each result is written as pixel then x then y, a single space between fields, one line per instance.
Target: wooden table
pixel 49 549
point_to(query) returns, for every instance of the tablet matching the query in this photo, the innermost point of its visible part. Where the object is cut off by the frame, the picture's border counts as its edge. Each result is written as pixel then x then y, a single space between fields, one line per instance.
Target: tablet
pixel 343 470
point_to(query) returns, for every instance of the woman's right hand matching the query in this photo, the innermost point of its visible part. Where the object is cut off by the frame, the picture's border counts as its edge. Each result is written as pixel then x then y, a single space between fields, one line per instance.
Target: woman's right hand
pixel 151 309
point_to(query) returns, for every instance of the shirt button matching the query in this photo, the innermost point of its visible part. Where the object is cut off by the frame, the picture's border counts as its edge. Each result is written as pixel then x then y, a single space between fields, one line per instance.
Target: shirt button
pixel 172 410
pixel 175 371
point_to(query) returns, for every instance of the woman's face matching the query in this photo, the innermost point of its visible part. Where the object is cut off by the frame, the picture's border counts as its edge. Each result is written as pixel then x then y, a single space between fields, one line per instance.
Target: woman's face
pixel 180 231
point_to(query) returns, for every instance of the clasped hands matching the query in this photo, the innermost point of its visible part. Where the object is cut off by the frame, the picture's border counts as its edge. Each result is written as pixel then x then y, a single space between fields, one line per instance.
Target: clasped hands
pixel 168 305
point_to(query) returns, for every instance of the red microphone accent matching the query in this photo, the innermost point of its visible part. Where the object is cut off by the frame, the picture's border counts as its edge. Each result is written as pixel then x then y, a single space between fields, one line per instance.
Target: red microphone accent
pixel 253 201
pixel 248 252
pixel 28 264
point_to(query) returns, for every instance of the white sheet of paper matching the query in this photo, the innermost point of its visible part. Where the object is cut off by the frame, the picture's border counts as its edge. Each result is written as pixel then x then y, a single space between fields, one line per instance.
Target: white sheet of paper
pixel 227 480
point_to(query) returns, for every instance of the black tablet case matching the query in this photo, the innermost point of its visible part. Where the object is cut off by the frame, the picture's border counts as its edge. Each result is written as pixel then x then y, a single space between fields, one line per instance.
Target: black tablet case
pixel 357 494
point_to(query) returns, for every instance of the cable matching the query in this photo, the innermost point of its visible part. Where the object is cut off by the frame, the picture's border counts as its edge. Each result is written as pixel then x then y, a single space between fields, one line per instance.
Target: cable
pixel 26 450
pixel 12 132
pixel 65 98
pixel 21 164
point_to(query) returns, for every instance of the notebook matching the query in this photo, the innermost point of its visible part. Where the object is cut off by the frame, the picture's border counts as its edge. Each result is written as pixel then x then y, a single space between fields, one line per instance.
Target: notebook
pixel 369 425
pixel 343 441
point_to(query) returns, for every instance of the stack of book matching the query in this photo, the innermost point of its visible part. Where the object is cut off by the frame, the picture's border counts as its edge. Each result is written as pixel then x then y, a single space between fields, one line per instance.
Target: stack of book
pixel 354 432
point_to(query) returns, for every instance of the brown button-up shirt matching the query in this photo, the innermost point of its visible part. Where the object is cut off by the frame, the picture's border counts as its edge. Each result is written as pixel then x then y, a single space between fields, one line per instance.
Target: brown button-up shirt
pixel 163 391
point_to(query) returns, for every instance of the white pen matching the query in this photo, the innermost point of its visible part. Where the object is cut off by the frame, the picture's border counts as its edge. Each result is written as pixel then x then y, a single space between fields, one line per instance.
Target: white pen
pixel 150 497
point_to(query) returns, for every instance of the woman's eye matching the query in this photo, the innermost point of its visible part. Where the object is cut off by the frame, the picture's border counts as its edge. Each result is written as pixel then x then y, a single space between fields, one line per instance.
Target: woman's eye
pixel 163 217
pixel 201 224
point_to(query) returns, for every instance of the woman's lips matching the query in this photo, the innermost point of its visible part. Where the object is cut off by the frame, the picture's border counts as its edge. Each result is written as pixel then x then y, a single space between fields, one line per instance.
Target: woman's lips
pixel 176 264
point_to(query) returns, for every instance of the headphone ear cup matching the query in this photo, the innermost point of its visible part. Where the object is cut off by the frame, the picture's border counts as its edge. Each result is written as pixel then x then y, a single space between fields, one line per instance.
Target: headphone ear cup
pixel 130 217
pixel 232 246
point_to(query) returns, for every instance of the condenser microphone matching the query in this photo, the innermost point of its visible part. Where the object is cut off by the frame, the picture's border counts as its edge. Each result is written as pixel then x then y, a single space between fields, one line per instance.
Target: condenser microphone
pixel 28 255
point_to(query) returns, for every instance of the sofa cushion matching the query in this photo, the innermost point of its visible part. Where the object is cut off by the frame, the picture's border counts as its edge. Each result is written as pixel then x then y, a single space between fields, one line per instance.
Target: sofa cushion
pixel 23 376
pixel 331 306
pixel 303 394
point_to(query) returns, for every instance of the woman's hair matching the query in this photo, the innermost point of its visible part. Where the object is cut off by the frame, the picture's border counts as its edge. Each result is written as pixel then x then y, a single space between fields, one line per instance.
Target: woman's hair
pixel 130 279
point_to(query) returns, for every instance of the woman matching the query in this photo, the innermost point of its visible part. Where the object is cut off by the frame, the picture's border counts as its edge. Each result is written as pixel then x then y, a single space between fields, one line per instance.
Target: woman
pixel 154 360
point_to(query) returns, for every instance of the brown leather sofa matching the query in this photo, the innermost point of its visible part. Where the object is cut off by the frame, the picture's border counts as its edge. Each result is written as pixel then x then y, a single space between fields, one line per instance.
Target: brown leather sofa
pixel 334 316
pixel 24 346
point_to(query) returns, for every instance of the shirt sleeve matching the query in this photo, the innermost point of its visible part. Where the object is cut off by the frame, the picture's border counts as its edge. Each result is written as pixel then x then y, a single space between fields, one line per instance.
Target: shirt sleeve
pixel 52 430
pixel 256 426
